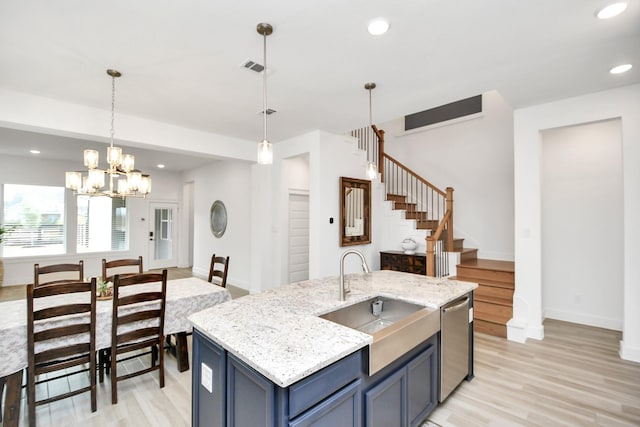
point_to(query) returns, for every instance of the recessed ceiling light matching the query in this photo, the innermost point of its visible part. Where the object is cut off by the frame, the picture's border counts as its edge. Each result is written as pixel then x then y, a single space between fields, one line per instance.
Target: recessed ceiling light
pixel 621 69
pixel 160 166
pixel 611 10
pixel 378 26
pixel 34 151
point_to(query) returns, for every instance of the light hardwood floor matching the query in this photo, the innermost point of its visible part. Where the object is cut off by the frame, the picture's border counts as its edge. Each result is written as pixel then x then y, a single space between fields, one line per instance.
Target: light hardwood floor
pixel 574 377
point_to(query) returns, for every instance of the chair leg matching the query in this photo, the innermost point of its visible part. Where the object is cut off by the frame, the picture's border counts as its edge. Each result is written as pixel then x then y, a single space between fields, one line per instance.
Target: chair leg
pixel 161 355
pixel 101 366
pixel 2 381
pixel 11 416
pixel 92 379
pixel 114 377
pixel 154 354
pixel 31 397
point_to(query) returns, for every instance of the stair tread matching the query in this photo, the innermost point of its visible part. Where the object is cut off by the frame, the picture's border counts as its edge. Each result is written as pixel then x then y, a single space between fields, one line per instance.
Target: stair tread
pixel 464 250
pixel 485 282
pixel 492 317
pixel 494 300
pixel 490 264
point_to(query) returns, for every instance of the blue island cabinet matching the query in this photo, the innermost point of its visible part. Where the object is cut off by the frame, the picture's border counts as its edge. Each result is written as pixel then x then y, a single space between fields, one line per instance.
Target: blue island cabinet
pixel 227 392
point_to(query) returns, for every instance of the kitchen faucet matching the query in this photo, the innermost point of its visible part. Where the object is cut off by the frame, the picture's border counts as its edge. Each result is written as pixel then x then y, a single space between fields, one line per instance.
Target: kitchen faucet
pixel 342 291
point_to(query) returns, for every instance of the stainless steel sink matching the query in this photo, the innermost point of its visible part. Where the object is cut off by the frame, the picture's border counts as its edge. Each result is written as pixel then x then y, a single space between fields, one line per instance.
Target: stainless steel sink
pixel 396 326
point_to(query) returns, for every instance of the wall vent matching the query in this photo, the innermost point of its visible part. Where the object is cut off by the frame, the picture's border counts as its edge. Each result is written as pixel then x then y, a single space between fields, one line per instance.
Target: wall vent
pixel 253 65
pixel 443 113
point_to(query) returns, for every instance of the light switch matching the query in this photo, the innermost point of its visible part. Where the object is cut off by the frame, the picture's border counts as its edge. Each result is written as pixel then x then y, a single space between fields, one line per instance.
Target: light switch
pixel 206 377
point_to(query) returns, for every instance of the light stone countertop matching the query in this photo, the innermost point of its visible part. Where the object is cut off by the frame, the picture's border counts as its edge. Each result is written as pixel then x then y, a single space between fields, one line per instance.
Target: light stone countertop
pixel 278 333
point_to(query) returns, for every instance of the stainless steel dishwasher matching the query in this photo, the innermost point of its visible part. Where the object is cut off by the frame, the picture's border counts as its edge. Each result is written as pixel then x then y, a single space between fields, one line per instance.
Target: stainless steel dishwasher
pixel 454 345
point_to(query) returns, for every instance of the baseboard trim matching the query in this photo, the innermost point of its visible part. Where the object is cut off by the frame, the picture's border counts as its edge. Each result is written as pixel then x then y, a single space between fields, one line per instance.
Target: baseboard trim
pixel 584 319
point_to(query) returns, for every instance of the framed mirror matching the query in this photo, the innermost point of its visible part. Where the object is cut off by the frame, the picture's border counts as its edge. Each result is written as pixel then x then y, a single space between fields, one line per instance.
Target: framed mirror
pixel 355 211
pixel 218 218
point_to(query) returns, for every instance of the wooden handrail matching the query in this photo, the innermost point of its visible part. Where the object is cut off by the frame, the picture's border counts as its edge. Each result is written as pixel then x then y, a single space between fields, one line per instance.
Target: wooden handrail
pixel 418 177
pixel 380 135
pixel 427 200
pixel 431 243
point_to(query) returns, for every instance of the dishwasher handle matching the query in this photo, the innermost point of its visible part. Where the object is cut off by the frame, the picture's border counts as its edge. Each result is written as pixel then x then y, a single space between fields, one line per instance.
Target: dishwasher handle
pixel 457 305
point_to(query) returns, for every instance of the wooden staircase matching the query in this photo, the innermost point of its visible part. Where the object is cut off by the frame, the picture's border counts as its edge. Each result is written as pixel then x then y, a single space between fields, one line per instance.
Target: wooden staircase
pixel 433 211
pixel 493 299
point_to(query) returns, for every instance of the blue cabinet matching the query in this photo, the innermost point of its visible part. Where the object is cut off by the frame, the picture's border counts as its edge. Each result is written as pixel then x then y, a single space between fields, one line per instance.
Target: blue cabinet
pixel 386 403
pixel 407 395
pixel 342 394
pixel 208 405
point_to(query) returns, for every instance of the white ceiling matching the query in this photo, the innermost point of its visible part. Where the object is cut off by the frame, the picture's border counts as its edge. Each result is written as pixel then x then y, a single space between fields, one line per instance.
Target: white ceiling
pixel 181 60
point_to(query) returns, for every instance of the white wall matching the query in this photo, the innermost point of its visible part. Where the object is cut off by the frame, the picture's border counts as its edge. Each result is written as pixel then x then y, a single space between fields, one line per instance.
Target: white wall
pixel 46 115
pixel 230 182
pixel 475 157
pixel 582 213
pixel 34 171
pixel 623 103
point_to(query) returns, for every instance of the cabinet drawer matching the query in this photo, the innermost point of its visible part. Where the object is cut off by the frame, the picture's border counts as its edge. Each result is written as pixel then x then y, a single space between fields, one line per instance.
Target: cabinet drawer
pixel 343 409
pixel 311 390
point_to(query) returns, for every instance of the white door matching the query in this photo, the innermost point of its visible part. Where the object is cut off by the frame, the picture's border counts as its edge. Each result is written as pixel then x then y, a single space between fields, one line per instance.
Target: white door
pixel 298 237
pixel 163 235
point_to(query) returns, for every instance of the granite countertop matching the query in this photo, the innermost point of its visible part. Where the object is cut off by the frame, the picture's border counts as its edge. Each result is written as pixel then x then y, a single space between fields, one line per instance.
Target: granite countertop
pixel 279 334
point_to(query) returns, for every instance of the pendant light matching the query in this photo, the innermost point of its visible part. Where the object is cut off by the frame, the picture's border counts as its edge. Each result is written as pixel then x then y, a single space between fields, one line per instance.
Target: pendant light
pixel 372 169
pixel 124 179
pixel 265 149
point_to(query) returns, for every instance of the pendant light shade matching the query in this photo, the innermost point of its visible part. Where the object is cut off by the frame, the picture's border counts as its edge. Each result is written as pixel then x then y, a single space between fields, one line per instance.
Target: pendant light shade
pixel 265 149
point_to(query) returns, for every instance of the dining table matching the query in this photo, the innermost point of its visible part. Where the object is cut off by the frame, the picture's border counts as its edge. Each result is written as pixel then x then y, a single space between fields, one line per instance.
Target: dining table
pixel 184 297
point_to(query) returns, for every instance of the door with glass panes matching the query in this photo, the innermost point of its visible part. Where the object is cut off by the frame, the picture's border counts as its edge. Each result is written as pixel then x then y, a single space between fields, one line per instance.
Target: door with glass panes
pixel 163 235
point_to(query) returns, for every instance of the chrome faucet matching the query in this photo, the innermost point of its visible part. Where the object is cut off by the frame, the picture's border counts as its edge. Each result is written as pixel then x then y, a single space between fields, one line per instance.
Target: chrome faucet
pixel 342 291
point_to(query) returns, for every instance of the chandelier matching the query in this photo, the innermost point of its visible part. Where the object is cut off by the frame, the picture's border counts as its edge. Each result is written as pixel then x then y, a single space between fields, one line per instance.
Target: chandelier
pixel 265 149
pixel 123 179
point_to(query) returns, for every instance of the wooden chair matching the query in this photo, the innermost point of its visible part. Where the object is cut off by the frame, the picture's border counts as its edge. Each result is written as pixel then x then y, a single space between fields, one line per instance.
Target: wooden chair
pixel 133 304
pixel 218 268
pixel 47 306
pixel 57 273
pixel 123 267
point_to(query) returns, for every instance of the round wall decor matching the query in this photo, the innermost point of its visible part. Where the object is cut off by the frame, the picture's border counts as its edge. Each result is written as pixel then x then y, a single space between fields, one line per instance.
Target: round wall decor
pixel 218 218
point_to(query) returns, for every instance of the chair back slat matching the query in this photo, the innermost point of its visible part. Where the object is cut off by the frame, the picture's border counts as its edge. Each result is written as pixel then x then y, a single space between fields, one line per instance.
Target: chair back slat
pixel 57 273
pixel 62 331
pixel 62 310
pixel 123 267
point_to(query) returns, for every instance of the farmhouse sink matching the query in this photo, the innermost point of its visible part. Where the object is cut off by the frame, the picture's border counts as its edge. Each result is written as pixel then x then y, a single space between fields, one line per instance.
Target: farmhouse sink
pixel 396 326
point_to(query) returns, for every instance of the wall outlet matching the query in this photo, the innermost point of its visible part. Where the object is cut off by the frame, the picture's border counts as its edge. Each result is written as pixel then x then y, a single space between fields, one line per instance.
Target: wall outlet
pixel 206 377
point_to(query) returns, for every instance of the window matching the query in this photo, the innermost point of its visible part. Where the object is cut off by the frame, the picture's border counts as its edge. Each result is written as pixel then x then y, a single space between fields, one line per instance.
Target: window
pixel 101 224
pixel 36 217
pixel 35 214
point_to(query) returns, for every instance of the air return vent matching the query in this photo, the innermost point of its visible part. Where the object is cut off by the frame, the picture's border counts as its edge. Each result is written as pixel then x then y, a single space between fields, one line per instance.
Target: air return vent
pixel 252 65
pixel 443 113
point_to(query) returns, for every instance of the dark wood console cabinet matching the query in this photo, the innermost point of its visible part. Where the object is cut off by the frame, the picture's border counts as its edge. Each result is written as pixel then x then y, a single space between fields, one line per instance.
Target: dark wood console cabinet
pixel 399 261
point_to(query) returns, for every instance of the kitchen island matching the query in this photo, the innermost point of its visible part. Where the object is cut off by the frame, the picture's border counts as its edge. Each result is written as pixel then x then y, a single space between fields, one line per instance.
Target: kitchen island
pixel 268 359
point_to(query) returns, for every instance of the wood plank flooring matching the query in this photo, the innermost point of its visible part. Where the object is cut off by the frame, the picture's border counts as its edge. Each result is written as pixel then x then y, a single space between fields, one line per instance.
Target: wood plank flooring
pixel 574 377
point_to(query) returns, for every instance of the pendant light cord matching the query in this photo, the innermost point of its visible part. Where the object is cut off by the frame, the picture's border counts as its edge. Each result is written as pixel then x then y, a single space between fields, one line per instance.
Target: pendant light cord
pixel 113 107
pixel 264 89
pixel 370 115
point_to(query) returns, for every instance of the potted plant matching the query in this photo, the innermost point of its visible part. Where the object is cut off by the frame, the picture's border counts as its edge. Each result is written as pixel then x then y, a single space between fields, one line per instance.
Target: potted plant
pixel 105 290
